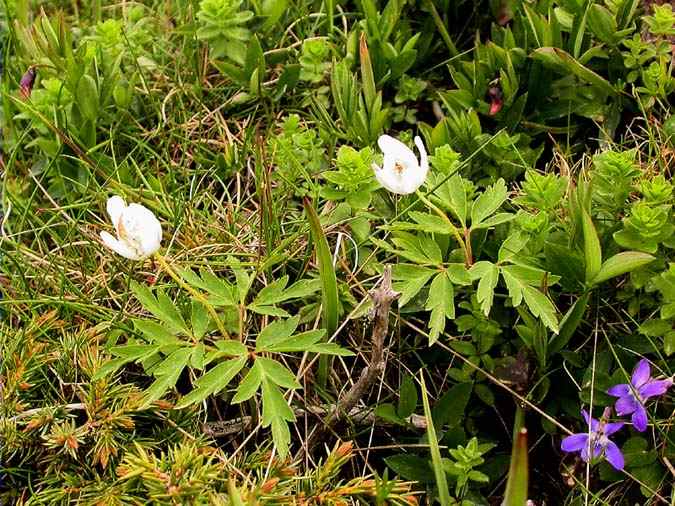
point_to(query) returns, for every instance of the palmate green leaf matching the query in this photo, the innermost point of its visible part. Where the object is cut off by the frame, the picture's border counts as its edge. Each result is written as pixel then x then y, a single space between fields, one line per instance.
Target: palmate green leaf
pixel 452 196
pixel 155 332
pixel 136 352
pixel 297 342
pixel 110 367
pixel 409 280
pixel 493 221
pixel 430 223
pixel 488 202
pixel 167 374
pixel 213 381
pixel 268 310
pixel 250 384
pixel 441 303
pixel 221 293
pixel 231 347
pixel 276 332
pixel 418 248
pixel 276 372
pixel 199 319
pixel 161 307
pixel 513 245
pixel 244 282
pixel 488 275
pixel 276 413
pixel 538 304
pixel 272 293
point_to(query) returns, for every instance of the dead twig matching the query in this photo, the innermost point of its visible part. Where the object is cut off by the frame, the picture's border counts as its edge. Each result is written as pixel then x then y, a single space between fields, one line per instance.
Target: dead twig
pixel 383 296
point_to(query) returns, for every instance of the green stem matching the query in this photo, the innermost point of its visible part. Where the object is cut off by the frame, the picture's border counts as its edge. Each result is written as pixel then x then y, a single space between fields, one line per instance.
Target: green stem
pixel 453 228
pixel 165 265
pixel 441 28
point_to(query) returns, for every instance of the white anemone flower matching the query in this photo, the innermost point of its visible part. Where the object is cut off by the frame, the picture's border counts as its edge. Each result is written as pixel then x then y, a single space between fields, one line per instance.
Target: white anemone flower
pixel 401 172
pixel 139 233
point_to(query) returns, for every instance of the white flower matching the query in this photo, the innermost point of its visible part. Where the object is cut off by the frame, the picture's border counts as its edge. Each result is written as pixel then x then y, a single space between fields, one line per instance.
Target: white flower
pixel 401 172
pixel 139 233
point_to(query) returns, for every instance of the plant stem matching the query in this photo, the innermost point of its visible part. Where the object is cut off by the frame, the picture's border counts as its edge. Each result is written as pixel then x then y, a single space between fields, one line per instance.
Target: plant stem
pixel 165 265
pixel 453 228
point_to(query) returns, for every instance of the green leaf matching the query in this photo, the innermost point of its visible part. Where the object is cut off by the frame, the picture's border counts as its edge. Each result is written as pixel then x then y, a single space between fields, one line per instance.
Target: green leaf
pixel 272 293
pixel 277 373
pixel 167 374
pixel 569 324
pixel 231 347
pixel 387 412
pixel 281 435
pixel 329 290
pixel 592 251
pixel 452 195
pixel 199 319
pixel 430 223
pixel 276 332
pixel 110 367
pixel 154 332
pixel 516 486
pixel 441 303
pixel 450 408
pixel 437 463
pixel 541 306
pixel 602 23
pixel 513 245
pixel 488 202
pixel 250 384
pixel 87 97
pixel 410 467
pixel 565 64
pixel 407 397
pixel 213 381
pixel 488 274
pixel 410 279
pixel 493 221
pixel 621 263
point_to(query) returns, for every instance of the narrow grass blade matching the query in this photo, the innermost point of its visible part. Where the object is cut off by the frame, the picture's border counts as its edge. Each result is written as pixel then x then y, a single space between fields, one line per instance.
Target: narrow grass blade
pixel 516 486
pixel 437 464
pixel 329 291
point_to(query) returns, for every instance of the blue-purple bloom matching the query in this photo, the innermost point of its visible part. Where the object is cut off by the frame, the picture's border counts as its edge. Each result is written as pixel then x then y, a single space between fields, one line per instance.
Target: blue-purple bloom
pixel 632 397
pixel 597 439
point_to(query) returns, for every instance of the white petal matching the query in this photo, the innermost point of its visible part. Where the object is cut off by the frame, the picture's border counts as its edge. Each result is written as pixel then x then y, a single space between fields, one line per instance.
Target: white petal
pixel 115 208
pixel 396 149
pixel 389 178
pixel 142 229
pixel 118 246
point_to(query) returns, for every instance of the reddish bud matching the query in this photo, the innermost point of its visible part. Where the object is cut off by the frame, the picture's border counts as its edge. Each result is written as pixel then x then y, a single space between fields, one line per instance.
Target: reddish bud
pixel 27 82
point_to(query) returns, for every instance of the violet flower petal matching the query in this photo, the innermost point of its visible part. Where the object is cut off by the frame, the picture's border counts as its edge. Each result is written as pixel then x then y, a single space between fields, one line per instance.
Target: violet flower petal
pixel 611 428
pixel 626 405
pixel 619 390
pixel 590 421
pixel 654 387
pixel 641 373
pixel 574 443
pixel 639 419
pixel 614 456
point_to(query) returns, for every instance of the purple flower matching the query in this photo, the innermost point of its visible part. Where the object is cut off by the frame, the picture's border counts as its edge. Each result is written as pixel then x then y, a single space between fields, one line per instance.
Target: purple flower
pixel 631 398
pixel 598 439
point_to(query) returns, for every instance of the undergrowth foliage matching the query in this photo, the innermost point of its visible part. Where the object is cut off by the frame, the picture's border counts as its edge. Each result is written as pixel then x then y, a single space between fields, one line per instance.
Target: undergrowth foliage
pixel 203 203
